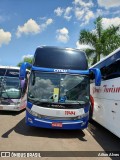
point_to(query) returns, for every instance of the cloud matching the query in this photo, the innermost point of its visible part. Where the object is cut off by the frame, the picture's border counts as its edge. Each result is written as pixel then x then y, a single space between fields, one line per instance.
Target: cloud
pixel 64 12
pixel 82 11
pixel 83 4
pixel 31 27
pixel 68 10
pixel 79 13
pixel 109 3
pixel 84 15
pixel 62 35
pixel 43 18
pixel 46 24
pixel 5 37
pixel 68 18
pixel 58 11
pixel 67 15
pixel 99 12
pixel 82 46
pixel 106 22
pixel 106 12
pixel 88 16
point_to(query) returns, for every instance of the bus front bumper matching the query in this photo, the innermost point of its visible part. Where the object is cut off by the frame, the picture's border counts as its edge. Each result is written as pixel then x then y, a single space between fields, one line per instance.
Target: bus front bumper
pixel 9 107
pixel 56 124
pixel 12 107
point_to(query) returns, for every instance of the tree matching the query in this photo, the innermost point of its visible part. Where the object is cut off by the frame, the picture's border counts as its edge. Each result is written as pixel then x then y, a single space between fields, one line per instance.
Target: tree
pixel 26 59
pixel 102 41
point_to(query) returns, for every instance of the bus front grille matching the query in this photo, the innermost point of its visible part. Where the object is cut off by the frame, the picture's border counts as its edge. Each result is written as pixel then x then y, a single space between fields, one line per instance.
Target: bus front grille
pixel 57 118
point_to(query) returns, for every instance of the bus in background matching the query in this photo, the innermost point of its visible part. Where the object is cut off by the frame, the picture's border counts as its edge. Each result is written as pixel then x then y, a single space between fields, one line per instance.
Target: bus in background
pixel 12 98
pixel 58 88
pixel 105 99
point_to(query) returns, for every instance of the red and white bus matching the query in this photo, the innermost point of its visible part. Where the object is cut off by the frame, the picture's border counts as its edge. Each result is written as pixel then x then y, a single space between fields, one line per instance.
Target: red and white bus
pixel 12 98
pixel 105 100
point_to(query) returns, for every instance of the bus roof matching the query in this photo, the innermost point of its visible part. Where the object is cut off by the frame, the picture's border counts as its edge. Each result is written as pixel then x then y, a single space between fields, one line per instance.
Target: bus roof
pixel 61 58
pixel 9 67
pixel 111 58
pixel 9 71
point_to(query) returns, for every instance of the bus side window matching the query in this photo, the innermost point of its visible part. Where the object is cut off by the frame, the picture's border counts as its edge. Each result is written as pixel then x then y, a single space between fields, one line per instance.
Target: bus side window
pixel 112 71
pixel 103 72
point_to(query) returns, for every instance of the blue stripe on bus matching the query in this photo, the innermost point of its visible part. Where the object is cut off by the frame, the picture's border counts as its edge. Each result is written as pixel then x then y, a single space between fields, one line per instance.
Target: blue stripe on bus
pixel 60 70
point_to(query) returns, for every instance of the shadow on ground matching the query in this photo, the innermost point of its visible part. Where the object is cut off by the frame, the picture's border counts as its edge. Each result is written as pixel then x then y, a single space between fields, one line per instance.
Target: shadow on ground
pixel 11 113
pixel 21 128
pixel 107 140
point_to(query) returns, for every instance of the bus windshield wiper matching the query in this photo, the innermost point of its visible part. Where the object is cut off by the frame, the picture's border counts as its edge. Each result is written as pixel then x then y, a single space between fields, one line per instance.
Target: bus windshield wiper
pixel 34 101
pixel 41 102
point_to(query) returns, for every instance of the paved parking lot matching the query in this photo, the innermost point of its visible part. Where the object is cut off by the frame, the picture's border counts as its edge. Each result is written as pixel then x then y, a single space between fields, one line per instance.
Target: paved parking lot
pixel 16 136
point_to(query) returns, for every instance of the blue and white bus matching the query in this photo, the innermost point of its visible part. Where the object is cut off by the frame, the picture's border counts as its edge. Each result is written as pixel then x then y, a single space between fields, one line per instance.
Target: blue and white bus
pixel 58 88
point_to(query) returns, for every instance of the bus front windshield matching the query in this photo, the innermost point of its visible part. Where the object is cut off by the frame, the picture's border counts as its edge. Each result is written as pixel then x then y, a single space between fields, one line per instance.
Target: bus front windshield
pixel 10 87
pixel 58 88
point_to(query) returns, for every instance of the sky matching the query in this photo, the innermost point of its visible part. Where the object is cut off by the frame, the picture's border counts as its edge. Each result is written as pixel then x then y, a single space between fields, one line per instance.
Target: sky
pixel 27 24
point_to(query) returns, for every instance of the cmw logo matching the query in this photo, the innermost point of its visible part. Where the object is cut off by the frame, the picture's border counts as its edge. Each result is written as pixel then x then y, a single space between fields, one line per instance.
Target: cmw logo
pixel 60 70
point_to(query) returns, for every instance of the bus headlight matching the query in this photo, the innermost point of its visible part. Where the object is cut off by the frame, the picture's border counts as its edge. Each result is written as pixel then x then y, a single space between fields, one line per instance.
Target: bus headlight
pixel 32 112
pixel 83 115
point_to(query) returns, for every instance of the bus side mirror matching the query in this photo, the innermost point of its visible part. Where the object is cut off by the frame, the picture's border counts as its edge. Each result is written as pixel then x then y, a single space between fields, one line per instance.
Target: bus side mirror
pixel 23 68
pixel 22 74
pixel 97 73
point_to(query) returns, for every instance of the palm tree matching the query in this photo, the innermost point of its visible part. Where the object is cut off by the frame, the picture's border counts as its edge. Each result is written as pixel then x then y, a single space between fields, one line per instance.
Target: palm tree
pixel 102 41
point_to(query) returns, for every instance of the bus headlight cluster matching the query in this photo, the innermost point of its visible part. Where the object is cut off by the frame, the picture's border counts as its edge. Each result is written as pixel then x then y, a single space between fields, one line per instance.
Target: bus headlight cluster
pixel 83 115
pixel 32 112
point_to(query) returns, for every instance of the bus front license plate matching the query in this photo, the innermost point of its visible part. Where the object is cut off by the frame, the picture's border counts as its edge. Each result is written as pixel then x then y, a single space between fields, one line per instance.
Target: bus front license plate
pixel 55 124
pixel 1 108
